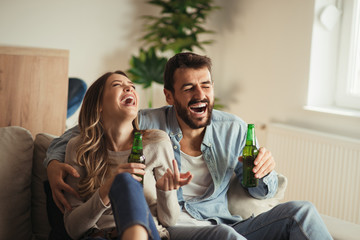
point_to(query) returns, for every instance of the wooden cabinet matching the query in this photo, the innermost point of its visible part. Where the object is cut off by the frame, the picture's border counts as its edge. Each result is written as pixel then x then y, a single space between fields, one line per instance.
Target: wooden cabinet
pixel 34 88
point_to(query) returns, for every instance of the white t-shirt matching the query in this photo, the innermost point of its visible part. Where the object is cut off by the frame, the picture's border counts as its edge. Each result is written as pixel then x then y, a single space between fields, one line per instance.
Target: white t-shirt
pixel 197 187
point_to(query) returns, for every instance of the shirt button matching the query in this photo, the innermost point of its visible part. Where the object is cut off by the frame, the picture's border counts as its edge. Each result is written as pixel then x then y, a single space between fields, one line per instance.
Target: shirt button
pixel 175 147
pixel 179 135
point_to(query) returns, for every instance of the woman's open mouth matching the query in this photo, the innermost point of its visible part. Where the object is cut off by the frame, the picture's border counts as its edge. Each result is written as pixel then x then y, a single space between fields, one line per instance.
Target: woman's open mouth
pixel 128 100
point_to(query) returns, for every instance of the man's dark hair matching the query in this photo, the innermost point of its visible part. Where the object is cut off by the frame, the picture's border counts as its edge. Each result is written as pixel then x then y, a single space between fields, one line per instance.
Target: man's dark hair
pixel 183 60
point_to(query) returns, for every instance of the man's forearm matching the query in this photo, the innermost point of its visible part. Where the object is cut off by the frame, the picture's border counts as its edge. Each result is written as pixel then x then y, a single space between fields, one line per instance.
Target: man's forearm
pixel 57 147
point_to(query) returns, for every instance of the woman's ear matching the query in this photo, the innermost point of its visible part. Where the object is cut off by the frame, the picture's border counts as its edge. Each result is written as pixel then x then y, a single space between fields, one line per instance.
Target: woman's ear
pixel 169 96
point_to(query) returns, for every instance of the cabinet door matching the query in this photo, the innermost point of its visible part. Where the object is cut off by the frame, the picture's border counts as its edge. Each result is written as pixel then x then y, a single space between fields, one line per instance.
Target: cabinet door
pixel 34 88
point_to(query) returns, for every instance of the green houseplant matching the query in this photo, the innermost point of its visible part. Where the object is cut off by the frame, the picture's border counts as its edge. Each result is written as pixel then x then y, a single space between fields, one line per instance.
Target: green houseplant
pixel 176 29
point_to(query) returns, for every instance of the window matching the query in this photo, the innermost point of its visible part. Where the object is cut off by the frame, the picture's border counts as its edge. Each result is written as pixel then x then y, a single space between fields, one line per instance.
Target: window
pixel 334 84
pixel 348 85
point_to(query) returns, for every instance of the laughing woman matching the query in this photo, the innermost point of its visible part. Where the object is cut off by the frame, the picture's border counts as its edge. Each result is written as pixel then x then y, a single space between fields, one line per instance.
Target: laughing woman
pixel 113 204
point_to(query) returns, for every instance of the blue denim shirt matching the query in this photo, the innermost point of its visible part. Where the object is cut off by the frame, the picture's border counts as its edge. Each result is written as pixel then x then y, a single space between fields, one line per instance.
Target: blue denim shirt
pixel 223 142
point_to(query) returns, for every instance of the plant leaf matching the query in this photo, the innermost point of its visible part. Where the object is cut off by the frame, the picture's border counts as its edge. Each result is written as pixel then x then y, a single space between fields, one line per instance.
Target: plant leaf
pixel 147 67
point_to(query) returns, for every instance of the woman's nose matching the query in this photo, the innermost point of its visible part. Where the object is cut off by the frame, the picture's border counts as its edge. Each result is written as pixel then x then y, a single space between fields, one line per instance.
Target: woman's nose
pixel 127 88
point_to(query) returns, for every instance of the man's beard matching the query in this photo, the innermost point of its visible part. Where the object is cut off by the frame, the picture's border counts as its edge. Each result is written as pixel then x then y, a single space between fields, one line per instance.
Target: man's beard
pixel 186 117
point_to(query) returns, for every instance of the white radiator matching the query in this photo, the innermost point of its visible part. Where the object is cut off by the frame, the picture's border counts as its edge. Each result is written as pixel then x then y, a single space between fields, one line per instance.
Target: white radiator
pixel 321 168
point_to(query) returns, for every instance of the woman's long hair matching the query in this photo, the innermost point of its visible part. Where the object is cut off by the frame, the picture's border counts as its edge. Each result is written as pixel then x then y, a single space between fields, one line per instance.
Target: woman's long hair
pixel 92 151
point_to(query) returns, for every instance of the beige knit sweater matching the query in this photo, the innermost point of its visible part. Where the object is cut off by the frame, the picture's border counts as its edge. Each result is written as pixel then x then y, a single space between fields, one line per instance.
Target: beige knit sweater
pixel 94 214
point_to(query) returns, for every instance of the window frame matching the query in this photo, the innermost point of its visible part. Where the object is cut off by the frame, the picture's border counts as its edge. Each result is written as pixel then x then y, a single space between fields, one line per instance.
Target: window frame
pixel 349 51
pixel 330 57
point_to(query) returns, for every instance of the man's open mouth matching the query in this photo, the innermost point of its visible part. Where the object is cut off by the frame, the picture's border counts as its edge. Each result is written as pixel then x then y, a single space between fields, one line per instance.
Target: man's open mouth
pixel 198 108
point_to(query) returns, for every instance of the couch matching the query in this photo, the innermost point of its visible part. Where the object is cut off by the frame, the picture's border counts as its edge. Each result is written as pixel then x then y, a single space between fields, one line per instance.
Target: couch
pixel 23 210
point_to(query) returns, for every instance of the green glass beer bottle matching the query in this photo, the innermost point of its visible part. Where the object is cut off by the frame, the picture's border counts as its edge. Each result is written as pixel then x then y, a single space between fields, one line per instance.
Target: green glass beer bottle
pixel 249 154
pixel 136 155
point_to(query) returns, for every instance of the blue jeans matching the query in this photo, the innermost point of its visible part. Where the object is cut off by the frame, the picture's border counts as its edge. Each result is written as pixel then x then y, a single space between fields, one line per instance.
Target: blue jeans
pixel 292 220
pixel 129 206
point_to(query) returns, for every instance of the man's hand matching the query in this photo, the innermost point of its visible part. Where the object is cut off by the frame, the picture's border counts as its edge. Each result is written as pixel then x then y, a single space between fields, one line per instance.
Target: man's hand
pixel 173 180
pixel 264 163
pixel 57 171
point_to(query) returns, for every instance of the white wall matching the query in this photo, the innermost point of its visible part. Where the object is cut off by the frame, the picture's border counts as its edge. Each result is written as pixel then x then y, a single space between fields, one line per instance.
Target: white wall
pixel 261 64
pixel 100 35
pixel 261 54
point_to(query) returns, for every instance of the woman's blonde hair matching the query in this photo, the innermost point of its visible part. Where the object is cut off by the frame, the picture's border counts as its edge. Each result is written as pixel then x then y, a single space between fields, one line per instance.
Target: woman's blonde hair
pixel 92 151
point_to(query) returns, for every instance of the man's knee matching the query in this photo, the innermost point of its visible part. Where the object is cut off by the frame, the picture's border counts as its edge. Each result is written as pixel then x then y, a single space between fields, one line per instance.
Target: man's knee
pixel 226 232
pixel 303 211
pixel 303 206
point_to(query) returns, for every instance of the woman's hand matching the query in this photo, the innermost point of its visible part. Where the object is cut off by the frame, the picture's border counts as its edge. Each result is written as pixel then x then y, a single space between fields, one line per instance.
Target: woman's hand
pixel 132 168
pixel 173 180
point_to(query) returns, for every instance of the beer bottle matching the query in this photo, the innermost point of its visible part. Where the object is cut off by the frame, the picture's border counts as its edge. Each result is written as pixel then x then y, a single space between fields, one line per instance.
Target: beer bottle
pixel 136 155
pixel 249 154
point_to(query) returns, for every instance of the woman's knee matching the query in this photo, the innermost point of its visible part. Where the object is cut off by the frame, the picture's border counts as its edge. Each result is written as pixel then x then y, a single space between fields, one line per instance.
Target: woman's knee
pixel 124 182
pixel 123 177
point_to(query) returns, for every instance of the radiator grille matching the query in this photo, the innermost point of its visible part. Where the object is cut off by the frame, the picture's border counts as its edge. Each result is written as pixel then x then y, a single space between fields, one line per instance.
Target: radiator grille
pixel 321 168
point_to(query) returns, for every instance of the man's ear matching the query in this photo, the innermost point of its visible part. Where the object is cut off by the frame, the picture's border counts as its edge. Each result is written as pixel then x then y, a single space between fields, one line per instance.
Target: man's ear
pixel 169 96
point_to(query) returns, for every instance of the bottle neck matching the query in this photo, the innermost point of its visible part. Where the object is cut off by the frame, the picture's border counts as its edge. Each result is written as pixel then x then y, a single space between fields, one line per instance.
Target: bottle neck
pixel 250 137
pixel 250 142
pixel 137 144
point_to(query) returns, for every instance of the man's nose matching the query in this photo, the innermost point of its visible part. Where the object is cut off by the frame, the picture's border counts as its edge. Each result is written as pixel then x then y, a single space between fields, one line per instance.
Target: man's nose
pixel 199 92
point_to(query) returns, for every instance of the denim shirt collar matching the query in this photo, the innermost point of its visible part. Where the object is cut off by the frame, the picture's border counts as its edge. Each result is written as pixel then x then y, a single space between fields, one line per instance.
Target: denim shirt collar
pixel 175 130
pixel 208 136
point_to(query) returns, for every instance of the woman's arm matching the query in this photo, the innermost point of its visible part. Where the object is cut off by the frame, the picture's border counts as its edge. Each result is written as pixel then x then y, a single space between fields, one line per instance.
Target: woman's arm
pixel 84 215
pixel 160 154
pixel 167 205
pixel 165 186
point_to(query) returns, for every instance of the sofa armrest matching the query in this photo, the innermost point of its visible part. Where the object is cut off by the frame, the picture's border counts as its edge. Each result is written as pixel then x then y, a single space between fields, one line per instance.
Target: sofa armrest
pixel 340 229
pixel 16 155
pixel 241 203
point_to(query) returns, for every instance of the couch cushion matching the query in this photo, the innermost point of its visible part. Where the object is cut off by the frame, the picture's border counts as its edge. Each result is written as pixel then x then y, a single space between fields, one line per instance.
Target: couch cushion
pixel 41 227
pixel 242 204
pixel 47 218
pixel 16 153
pixel 340 229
